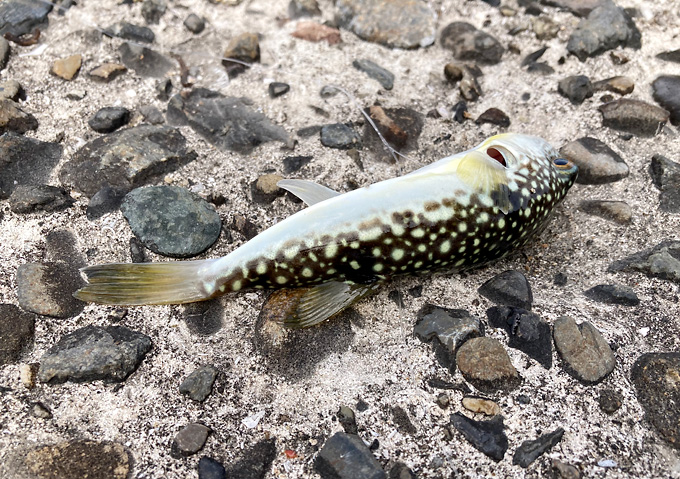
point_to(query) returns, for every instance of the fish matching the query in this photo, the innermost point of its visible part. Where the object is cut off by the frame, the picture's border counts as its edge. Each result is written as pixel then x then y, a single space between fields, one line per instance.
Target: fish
pixel 455 214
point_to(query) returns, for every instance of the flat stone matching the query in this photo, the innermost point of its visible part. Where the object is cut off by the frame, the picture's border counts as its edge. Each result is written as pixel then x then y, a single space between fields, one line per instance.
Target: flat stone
pixel 4 53
pixel 198 384
pixel 526 330
pixel 128 31
pixel 375 71
pixel 152 115
pixel 303 8
pixel 244 48
pixel 586 354
pixel 106 200
pixel 400 127
pixel 194 23
pixel 340 136
pixel 656 377
pixel 613 294
pixel 610 401
pixel 666 177
pixel 469 44
pixel 91 353
pixel 126 159
pixel 401 471
pixel 617 211
pixel 277 89
pixel 394 23
pixel 576 88
pixel 14 119
pixel 20 17
pixel 661 261
pixel 486 436
pixel 619 84
pixel 144 61
pixel 204 318
pixel 345 456
pixel 229 123
pixel 597 163
pixel 666 91
pixel 495 117
pixel 189 440
pixel 67 68
pixel 485 364
pixel 29 199
pixel 317 32
pixel 670 56
pixel 509 288
pixel 17 329
pixel 153 10
pixel 47 289
pixel 634 116
pixel 25 161
pixel 531 450
pixel 109 119
pixel 107 72
pixel 292 164
pixel 171 221
pixel 402 421
pixel 255 462
pixel 209 468
pixel 481 405
pixel 545 28
pixel 79 459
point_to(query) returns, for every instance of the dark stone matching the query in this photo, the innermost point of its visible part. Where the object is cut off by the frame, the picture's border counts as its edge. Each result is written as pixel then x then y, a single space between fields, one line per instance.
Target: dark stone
pixel 576 88
pixel 400 127
pixel 613 294
pixel 303 8
pixel 106 200
pixel 560 279
pixel 153 10
pixel 137 251
pixel 229 123
pixel 244 48
pixel 47 289
pixel 666 177
pixel 564 470
pixel 144 61
pixel 347 420
pixel 163 89
pixel 20 17
pixel 209 468
pixel 533 57
pixel 91 353
pixel 276 89
pixel 255 462
pixel 244 226
pixel 79 459
pixel 309 131
pixel 189 440
pixel 453 72
pixel 131 32
pixel 203 318
pixel 401 471
pixel 654 376
pixel 292 164
pixel 4 53
pixel 403 422
pixel 375 71
pixel 395 24
pixel 616 211
pixel 485 364
pixel 341 136
pixel 586 354
pixel 14 119
pixel 469 44
pixel 487 436
pixel 109 119
pixel 610 401
pixel 460 112
pixel 17 329
pixel 107 72
pixel 540 67
pixel 126 159
pixel 152 115
pixel 29 199
pixel 634 116
pixel 194 23
pixel 509 288
pixel 345 456
pixel 526 330
pixel 545 28
pixel 666 89
pixel 495 117
pixel 670 56
pixel 661 261
pixel 198 384
pixel 529 451
pixel 597 163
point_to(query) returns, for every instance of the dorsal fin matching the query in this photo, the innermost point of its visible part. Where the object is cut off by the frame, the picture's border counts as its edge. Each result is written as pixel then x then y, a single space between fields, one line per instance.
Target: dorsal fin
pixel 308 191
pixel 485 176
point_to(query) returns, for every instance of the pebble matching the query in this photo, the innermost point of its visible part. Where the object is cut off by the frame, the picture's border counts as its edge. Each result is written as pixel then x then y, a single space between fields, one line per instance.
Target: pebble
pixel 345 456
pixel 40 411
pixel 617 211
pixel 13 118
pixel 531 450
pixel 509 288
pixel 655 377
pixel 67 68
pixel 293 164
pixel 21 17
pixel 347 420
pixel 545 28
pixel 126 159
pixel 666 91
pixel 244 226
pixel 526 330
pixel 565 471
pixel 576 88
pixel 598 164
pixel 17 329
pixel 402 421
pixel 495 117
pixel 453 72
pixel 395 24
pixel 171 221
pixel 29 199
pixel 265 189
pixel 12 90
pixel 109 119
pixel 4 53
pixel 87 354
pixel 106 200
pixel 25 161
pixel 670 56
pixel 131 32
pixel 375 71
pixel 481 405
pixel 47 289
pixel 209 468
pixel 613 294
pixel 443 400
pixel 79 459
pixel 634 116
pixel 152 115
pixel 255 462
pixel 203 318
pixel 303 8
pixel 619 84
pixel 245 48
pixel 533 57
pixel 586 354
pixel 469 44
pixel 401 471
pixel 189 440
pixel 145 61
pixel 194 23
pixel 610 400
pixel 153 10
pixel 164 89
pixel 661 261
pixel 540 67
pixel 107 72
pixel 487 436
pixel 469 87
pixel 606 27
pixel 400 127
pixel 580 8
pixel 341 136
pixel 316 32
pixel 666 177
pixel 229 123
pixel 485 364
pixel 277 89
pixel 198 385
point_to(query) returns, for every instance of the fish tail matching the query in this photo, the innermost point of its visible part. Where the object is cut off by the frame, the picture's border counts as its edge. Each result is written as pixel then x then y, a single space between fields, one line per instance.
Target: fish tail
pixel 133 284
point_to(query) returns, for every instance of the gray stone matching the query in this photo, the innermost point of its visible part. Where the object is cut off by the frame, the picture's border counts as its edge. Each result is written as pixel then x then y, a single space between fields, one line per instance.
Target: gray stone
pixel 277 89
pixel 375 71
pixel 171 221
pixel 341 136
pixel 586 354
pixel 47 289
pixel 661 261
pixel 401 471
pixel 303 8
pixel 4 53
pixel 580 8
pixel 485 364
pixel 494 116
pixel 194 23
pixel 255 462
pixel 128 31
pixel 597 163
pixel 229 123
pixel 402 421
pixel 576 88
pixel 79 459
pixel 613 294
pixel 209 468
pixel 246 49
pixel 189 440
pixel 106 200
pixel 526 330
pixel 17 329
pixel 41 411
pixel 292 164
pixel 25 161
pixel 345 456
pixel 610 401
pixel 347 420
pixel 634 116
pixel 396 24
pixel 144 61
pixel 29 199
pixel 153 10
pixel 11 90
pixel 666 90
pixel 20 17
pixel 670 56
pixel 469 44
pixel 198 385
pixel 152 115
pixel 509 288
pixel 107 72
pixel 400 127
pixel 565 471
pixel 14 119
pixel 545 28
pixel 666 177
pixel 109 119
pixel 617 211
pixel 91 353
pixel 619 84
pixel 529 451
pixel 487 436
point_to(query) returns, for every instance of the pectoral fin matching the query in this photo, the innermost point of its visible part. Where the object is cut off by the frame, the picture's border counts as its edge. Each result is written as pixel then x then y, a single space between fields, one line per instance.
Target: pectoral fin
pixel 486 176
pixel 308 191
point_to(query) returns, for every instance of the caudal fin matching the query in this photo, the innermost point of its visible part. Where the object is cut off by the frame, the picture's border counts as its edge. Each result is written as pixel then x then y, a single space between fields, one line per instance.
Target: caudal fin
pixel 133 284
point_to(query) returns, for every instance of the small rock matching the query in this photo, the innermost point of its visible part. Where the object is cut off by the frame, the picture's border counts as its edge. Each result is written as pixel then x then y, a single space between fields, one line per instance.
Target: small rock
pixel 443 400
pixel 17 329
pixel 661 261
pixel 194 23
pixel 610 400
pixel 460 113
pixel 576 88
pixel 526 330
pixel 565 471
pixel 171 221
pixel 25 161
pixel 345 456
pixel 106 200
pixel 634 116
pixel 144 61
pixel 666 89
pixel 292 164
pixel 402 421
pixel 40 411
pixel 481 405
pixel 317 32
pixel 509 288
pixel 469 44
pixel 395 24
pixel 529 451
pixel 153 10
pixel 152 115
pixel 255 462
pixel 265 189
pixel 375 71
pixel 198 384
pixel 107 72
pixel 4 53
pixel 163 89
pixel 347 420
pixel 560 279
pixel 79 459
pixel 620 85
pixel 303 8
pixel 91 353
pixel 580 8
pixel 67 68
pixel 341 136
pixel 486 365
pixel 533 57
pixel 203 318
pixel 495 117
pixel 401 471
pixel 616 211
pixel 109 119
pixel 655 377
pixel 14 119
pixel 540 67
pixel 400 127
pixel 597 163
pixel 189 440
pixel 244 226
pixel 12 90
pixel 276 89
pixel 245 48
pixel 47 289
pixel 487 436
pixel 20 17
pixel 670 56
pixel 453 72
pixel 131 32
pixel 586 354
pixel 545 28
pixel 613 294
pixel 209 468
pixel 666 177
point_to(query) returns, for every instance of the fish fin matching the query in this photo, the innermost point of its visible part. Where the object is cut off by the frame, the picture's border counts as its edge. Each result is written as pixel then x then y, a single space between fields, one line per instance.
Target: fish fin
pixel 134 284
pixel 485 176
pixel 308 191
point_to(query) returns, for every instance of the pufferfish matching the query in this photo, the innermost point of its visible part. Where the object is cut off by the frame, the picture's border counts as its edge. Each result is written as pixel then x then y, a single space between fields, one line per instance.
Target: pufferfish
pixel 455 214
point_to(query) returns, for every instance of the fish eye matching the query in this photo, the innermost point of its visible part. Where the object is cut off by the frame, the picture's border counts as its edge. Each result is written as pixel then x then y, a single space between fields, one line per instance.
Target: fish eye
pixel 497 155
pixel 562 163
